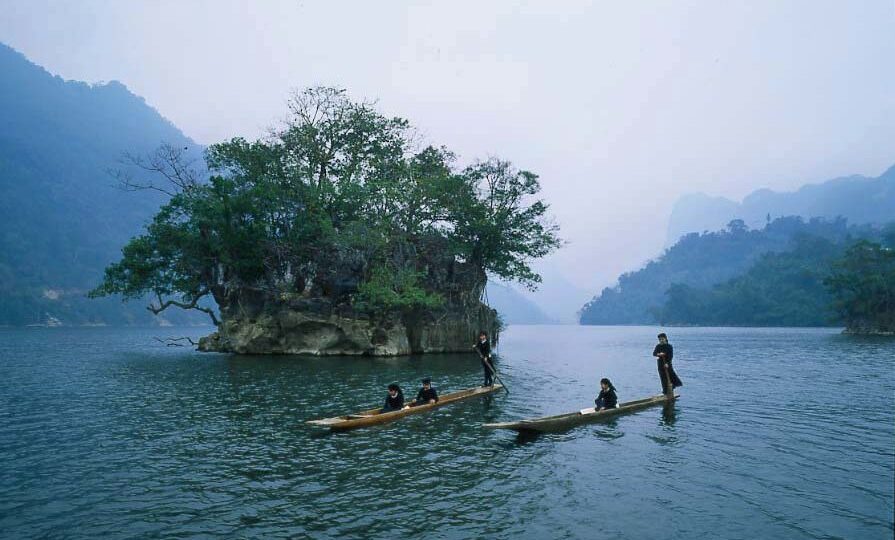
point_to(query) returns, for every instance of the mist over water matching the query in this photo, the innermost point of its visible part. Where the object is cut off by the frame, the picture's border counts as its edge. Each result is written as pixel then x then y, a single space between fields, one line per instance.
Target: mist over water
pixel 779 433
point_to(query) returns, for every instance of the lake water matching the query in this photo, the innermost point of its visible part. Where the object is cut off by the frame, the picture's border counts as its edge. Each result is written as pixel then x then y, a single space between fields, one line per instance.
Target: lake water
pixel 779 433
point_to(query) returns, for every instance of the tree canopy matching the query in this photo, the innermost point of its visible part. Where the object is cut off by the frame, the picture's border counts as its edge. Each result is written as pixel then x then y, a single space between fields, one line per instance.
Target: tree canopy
pixel 862 284
pixel 341 203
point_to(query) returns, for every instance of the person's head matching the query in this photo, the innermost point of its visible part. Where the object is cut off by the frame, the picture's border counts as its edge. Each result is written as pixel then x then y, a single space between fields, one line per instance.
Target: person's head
pixel 663 338
pixel 605 383
pixel 393 389
pixel 483 336
pixel 427 383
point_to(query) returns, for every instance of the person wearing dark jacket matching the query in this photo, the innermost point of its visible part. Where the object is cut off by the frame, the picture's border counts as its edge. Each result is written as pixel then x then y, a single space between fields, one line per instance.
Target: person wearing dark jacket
pixel 427 393
pixel 664 352
pixel 484 349
pixel 394 401
pixel 607 398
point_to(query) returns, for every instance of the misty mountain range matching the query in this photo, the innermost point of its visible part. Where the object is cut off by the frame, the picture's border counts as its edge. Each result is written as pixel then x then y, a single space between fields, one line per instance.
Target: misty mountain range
pixel 787 255
pixel 857 198
pixel 700 257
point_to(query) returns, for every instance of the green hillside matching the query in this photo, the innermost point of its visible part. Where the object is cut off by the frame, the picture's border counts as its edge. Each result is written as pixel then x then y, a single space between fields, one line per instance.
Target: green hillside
pixel 63 217
pixel 764 263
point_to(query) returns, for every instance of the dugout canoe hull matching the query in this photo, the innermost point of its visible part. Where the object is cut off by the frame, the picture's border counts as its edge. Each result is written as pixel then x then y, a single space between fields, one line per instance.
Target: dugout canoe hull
pixel 372 417
pixel 562 422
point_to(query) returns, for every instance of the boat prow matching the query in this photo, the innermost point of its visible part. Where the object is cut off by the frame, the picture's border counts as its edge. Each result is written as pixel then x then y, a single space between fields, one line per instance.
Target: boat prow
pixel 561 422
pixel 372 417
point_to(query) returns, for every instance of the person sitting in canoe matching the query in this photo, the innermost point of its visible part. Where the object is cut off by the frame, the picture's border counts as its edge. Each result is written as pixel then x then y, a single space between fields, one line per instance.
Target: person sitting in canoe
pixel 483 347
pixel 394 401
pixel 607 398
pixel 427 394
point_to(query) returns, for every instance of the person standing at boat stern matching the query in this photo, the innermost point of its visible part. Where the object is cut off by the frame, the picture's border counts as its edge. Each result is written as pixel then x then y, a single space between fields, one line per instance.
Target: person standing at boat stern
pixel 664 353
pixel 484 349
pixel 607 398
pixel 394 400
pixel 427 393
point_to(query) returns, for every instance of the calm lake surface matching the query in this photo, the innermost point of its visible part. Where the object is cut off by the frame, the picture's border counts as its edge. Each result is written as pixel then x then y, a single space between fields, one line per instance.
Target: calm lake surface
pixel 780 433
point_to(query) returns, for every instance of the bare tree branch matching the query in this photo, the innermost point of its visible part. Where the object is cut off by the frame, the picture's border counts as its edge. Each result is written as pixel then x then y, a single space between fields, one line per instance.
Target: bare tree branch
pixel 165 304
pixel 168 162
pixel 175 342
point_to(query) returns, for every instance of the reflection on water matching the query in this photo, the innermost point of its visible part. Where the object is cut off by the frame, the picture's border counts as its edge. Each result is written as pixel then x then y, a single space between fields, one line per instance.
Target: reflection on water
pixel 526 437
pixel 107 433
pixel 669 413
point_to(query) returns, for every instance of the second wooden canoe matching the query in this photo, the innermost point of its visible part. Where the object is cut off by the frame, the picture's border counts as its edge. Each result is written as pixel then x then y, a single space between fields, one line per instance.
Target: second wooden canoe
pixel 561 422
pixel 372 417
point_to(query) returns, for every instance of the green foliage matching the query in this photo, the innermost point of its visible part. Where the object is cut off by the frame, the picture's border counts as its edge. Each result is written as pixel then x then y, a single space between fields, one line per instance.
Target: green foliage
pixel 391 290
pixel 736 276
pixel 499 229
pixel 338 204
pixel 780 289
pixel 863 285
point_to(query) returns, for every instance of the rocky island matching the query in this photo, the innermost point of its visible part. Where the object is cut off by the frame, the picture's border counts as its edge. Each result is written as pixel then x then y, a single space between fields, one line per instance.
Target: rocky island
pixel 255 321
pixel 339 234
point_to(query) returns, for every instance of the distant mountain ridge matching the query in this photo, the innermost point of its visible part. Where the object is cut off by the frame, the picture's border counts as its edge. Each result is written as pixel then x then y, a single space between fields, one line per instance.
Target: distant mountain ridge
pixel 62 216
pixel 701 261
pixel 857 198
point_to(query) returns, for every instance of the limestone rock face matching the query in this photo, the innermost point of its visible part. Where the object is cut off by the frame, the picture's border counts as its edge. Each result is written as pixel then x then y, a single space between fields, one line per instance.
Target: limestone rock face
pixel 319 316
pixel 299 333
pixel 256 324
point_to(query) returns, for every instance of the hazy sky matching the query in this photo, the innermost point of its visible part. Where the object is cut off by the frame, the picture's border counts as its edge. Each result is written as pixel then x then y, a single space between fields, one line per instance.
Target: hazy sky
pixel 619 106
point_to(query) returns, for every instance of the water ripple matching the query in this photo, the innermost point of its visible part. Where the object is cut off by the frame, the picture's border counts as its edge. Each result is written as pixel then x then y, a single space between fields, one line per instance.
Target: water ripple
pixel 780 433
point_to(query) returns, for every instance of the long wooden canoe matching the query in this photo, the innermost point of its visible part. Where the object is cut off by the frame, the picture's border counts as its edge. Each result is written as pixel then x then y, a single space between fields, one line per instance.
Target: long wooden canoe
pixel 584 416
pixel 372 417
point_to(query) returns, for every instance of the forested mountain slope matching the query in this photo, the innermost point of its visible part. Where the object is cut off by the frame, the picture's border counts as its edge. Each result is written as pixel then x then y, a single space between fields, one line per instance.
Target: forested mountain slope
pixel 63 217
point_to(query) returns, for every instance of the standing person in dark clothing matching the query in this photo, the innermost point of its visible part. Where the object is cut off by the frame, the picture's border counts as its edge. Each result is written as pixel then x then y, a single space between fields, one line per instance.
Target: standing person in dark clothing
pixel 394 401
pixel 484 349
pixel 664 352
pixel 607 398
pixel 427 394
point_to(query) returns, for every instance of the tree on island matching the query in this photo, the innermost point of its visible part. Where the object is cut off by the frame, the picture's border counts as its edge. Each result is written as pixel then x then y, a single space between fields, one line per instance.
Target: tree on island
pixel 339 205
pixel 863 286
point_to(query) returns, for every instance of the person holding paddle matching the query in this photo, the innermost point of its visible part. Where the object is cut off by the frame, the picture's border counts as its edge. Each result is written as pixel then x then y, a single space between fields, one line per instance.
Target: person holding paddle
pixel 484 349
pixel 664 352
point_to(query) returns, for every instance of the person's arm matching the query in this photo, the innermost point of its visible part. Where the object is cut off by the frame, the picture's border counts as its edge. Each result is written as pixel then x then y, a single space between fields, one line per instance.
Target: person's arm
pixel 435 394
pixel 656 351
pixel 670 354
